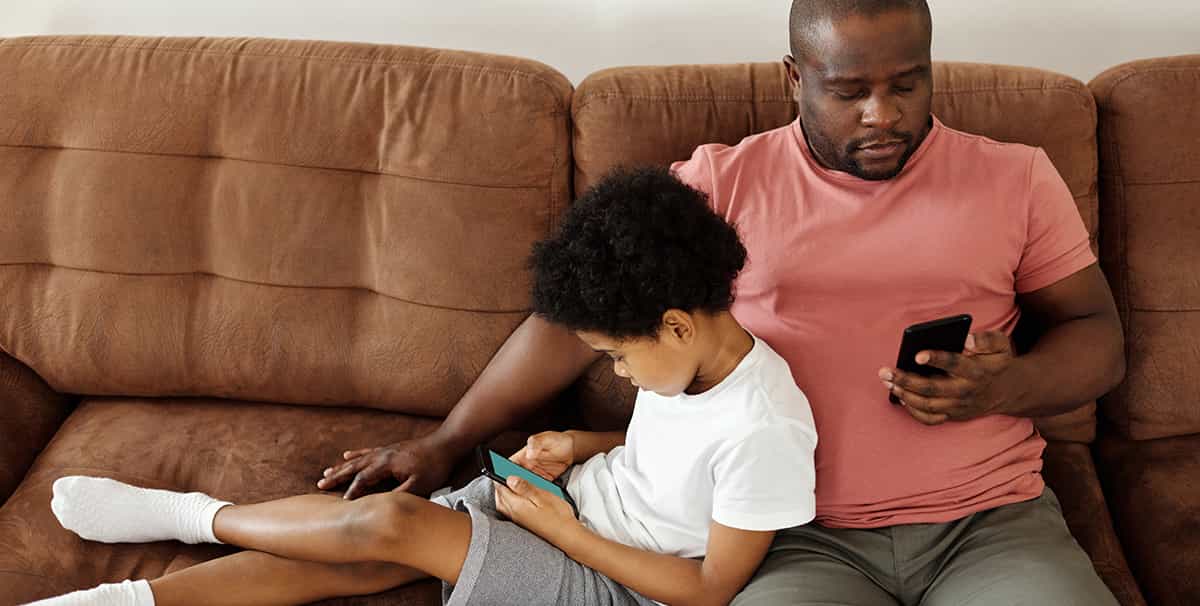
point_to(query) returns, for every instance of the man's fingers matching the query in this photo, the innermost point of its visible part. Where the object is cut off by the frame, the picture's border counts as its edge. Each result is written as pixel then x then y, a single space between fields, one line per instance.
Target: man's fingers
pixel 343 472
pixel 934 387
pixel 928 405
pixel 955 364
pixel 340 473
pixel 354 454
pixel 362 481
pixel 990 342
pixel 925 417
pixel 919 408
pixel 406 485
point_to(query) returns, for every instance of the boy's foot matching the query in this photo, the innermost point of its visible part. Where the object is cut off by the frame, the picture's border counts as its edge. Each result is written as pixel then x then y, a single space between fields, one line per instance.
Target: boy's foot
pixel 126 593
pixel 105 510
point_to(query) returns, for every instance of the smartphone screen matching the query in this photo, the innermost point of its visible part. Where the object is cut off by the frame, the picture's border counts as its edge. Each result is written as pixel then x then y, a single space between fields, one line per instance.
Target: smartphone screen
pixel 499 468
pixel 944 334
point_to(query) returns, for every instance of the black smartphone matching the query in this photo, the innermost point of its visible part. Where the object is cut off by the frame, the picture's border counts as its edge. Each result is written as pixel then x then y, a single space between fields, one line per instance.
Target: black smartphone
pixel 497 467
pixel 944 334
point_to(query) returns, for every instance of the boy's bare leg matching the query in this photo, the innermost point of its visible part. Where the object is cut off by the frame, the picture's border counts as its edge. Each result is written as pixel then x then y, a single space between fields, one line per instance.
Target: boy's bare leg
pixel 392 527
pixel 256 578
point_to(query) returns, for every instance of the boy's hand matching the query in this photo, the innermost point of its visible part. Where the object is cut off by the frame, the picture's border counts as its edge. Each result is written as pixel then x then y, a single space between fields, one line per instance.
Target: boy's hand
pixel 547 454
pixel 536 510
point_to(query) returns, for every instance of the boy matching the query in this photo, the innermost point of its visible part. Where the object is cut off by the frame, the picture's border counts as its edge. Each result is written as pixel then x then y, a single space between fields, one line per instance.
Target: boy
pixel 679 509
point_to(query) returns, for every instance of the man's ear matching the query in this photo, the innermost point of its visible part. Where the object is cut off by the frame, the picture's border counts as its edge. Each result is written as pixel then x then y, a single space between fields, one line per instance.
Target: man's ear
pixel 679 325
pixel 793 75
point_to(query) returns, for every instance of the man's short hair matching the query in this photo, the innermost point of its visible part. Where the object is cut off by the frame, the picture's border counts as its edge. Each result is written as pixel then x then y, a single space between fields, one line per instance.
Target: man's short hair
pixel 638 243
pixel 806 15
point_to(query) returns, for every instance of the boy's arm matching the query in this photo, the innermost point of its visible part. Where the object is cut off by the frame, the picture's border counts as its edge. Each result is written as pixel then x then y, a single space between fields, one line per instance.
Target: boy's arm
pixel 550 453
pixel 732 557
pixel 732 554
pixel 590 443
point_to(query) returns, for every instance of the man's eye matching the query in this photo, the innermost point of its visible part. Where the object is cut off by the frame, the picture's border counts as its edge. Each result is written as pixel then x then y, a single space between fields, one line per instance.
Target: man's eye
pixel 904 89
pixel 845 96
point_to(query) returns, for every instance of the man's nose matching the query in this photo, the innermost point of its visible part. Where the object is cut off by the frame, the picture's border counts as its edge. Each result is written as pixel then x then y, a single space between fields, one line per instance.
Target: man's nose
pixel 881 112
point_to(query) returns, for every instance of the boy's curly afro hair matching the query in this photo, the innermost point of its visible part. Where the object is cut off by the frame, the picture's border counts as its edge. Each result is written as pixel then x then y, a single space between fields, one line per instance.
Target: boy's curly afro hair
pixel 636 244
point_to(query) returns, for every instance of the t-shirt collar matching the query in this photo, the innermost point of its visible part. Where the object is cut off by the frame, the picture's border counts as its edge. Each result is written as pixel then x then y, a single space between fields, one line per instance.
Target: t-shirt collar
pixel 837 175
pixel 712 393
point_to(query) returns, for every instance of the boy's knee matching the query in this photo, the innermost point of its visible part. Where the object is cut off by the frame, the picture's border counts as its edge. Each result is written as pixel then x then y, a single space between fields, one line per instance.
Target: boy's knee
pixel 380 522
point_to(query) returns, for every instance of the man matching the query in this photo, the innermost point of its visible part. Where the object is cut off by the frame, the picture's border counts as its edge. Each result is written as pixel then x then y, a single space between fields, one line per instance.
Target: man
pixel 862 217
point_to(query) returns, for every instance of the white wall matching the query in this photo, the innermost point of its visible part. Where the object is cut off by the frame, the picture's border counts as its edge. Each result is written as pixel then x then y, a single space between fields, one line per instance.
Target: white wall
pixel 1077 37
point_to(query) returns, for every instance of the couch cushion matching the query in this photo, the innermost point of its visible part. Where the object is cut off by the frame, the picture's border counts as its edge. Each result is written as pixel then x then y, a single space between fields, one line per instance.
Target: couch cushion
pixel 1153 489
pixel 287 221
pixel 1070 471
pixel 242 452
pixel 655 115
pixel 1150 164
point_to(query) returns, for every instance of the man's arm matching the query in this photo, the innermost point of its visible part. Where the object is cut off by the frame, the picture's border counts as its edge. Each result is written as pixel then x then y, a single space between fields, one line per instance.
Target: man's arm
pixel 538 360
pixel 1079 357
pixel 1081 354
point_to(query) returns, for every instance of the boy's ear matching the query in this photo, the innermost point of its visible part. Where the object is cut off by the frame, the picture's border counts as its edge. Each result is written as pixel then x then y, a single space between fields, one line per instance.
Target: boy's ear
pixel 679 325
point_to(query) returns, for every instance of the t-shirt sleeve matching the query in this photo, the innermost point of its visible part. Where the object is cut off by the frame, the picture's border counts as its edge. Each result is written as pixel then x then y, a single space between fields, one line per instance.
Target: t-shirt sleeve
pixel 766 479
pixel 697 173
pixel 1056 241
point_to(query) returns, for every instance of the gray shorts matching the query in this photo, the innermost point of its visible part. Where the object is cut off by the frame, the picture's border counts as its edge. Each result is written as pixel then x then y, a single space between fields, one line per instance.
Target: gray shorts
pixel 507 564
pixel 1015 554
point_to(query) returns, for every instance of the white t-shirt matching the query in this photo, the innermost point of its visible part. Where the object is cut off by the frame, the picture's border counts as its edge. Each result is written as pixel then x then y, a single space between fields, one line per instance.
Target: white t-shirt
pixel 740 454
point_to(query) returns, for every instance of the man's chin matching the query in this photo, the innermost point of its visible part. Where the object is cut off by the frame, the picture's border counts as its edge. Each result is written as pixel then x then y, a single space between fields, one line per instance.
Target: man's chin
pixel 878 171
pixel 876 174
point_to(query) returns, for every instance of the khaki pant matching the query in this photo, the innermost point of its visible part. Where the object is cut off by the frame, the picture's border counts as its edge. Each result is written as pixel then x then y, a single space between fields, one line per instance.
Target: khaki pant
pixel 1015 554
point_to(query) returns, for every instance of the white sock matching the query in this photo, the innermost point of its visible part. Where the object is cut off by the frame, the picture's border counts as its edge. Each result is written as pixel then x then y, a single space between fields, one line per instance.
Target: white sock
pixel 125 593
pixel 100 509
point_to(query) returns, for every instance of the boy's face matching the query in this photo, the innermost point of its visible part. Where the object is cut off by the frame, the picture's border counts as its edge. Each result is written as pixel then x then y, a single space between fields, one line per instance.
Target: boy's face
pixel 664 365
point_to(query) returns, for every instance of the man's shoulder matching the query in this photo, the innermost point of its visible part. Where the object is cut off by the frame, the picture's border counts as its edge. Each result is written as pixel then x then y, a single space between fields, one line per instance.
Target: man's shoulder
pixel 723 155
pixel 971 148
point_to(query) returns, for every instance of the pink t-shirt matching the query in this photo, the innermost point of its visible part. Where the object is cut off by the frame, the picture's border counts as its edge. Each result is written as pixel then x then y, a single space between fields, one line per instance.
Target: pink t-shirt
pixel 839 266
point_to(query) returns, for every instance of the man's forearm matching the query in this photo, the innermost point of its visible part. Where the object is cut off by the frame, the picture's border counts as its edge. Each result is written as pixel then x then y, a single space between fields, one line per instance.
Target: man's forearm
pixel 1071 364
pixel 590 443
pixel 538 361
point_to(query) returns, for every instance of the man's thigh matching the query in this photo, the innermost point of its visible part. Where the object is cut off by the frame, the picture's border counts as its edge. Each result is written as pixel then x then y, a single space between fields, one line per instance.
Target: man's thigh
pixel 1018 554
pixel 810 565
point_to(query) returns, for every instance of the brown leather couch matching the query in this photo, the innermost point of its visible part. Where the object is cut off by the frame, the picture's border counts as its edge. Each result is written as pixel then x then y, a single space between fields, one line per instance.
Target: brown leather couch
pixel 1149 451
pixel 224 261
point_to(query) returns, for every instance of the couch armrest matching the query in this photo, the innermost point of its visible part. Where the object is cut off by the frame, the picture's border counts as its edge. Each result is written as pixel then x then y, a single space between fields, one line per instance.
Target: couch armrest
pixel 30 415
pixel 1070 471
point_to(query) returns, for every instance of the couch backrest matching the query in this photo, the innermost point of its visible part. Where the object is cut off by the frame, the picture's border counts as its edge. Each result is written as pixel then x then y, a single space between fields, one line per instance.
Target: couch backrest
pixel 1150 244
pixel 288 221
pixel 656 115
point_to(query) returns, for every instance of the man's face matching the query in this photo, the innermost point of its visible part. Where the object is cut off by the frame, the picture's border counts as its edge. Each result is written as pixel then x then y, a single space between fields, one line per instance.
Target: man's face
pixel 864 89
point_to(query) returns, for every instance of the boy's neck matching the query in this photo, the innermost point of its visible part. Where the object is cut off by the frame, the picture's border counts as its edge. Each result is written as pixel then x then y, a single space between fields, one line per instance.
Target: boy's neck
pixel 727 343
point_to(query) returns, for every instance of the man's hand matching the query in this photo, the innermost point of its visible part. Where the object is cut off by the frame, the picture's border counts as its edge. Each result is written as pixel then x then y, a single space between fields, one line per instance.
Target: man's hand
pixel 983 380
pixel 419 465
pixel 547 454
pixel 536 510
